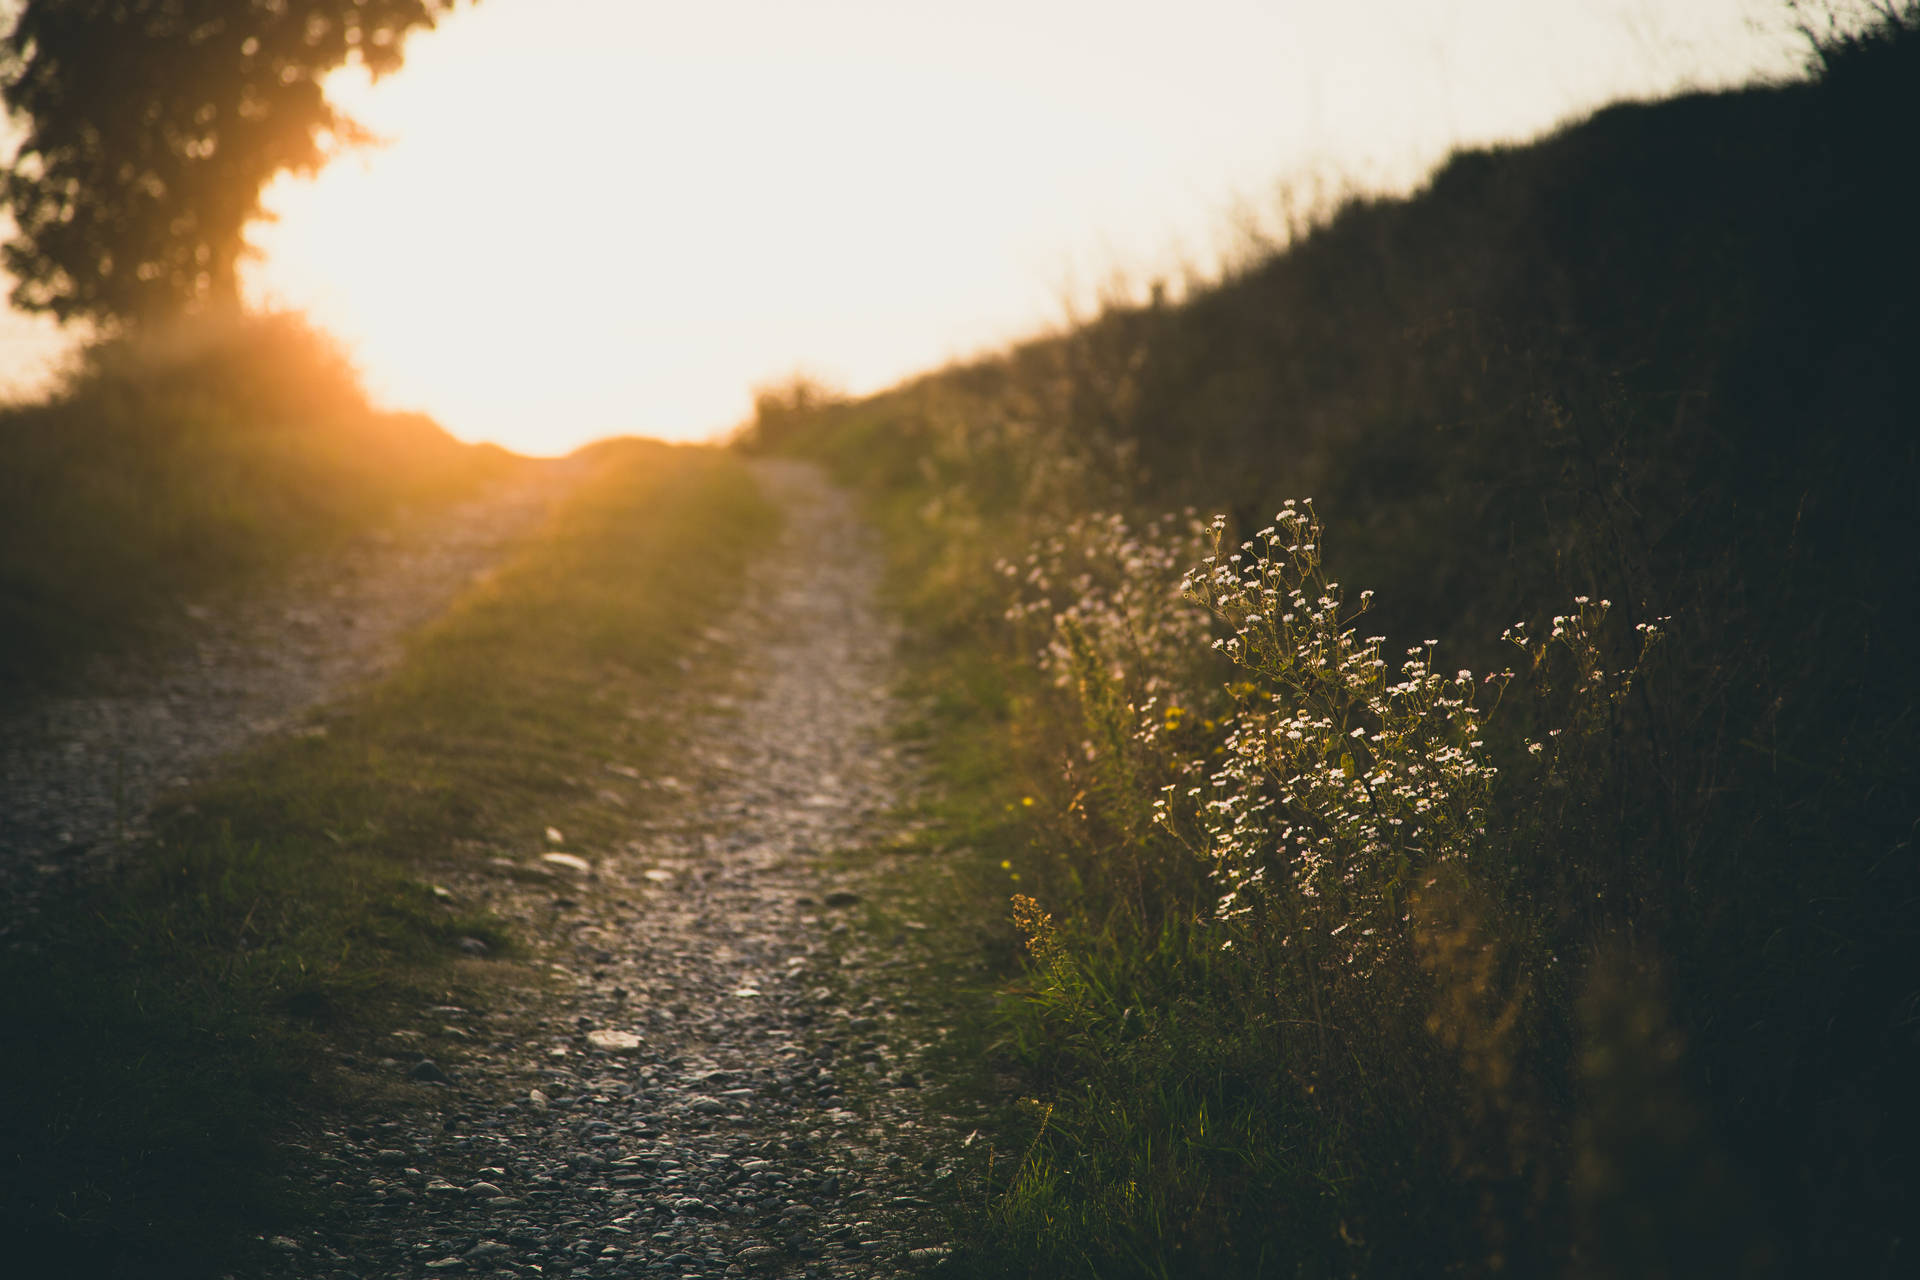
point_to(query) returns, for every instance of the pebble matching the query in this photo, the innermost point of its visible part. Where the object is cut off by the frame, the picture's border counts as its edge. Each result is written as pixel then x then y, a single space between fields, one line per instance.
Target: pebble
pixel 614 1041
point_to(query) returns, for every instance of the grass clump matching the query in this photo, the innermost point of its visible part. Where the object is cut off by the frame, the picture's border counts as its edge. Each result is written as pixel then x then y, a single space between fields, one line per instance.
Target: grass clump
pixel 170 467
pixel 185 1011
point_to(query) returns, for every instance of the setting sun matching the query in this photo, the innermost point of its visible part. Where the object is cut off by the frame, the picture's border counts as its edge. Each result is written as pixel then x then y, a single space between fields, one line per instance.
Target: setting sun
pixel 591 217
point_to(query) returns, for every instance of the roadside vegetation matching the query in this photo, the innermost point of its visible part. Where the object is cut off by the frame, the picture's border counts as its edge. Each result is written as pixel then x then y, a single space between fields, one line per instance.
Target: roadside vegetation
pixel 1504 862
pixel 170 1023
pixel 186 462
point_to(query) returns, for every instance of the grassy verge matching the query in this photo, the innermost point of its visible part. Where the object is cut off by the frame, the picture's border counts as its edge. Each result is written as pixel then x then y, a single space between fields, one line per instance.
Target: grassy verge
pixel 1127 1118
pixel 1615 977
pixel 171 469
pixel 168 1024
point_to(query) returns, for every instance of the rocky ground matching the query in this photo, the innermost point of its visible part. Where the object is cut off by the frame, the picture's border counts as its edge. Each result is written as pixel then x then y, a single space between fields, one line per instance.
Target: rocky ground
pixel 78 773
pixel 697 1071
pixel 700 1060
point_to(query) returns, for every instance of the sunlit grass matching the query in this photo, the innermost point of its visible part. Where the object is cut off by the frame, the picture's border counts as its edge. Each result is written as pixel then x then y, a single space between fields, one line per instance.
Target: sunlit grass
pixel 179 1013
pixel 176 467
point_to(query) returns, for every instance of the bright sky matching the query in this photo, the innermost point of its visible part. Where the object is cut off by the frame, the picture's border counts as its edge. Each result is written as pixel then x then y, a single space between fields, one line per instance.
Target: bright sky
pixel 607 216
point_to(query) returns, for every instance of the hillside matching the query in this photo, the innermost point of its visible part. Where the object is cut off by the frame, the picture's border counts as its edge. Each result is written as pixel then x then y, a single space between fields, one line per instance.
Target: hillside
pixel 1645 1003
pixel 176 468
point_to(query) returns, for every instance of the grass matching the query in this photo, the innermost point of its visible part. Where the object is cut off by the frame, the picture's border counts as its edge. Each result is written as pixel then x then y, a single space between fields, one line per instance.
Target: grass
pixel 1656 1016
pixel 183 1014
pixel 171 469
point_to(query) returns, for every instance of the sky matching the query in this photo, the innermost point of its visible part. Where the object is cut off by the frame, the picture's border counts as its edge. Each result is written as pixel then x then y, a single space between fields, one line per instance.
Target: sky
pixel 595 217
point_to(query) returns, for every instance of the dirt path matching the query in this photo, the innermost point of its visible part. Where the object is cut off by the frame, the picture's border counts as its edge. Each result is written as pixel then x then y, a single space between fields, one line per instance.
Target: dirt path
pixel 79 773
pixel 668 1085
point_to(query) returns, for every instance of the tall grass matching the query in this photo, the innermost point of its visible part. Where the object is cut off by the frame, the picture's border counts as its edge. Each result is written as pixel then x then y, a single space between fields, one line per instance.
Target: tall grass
pixel 1340 959
pixel 173 466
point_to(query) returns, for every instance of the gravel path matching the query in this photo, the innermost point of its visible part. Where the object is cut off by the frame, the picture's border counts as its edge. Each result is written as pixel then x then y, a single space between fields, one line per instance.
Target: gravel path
pixel 79 773
pixel 695 1073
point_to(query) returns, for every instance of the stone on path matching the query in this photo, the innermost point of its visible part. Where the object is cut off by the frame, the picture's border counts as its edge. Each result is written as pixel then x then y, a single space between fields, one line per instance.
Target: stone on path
pixel 613 1041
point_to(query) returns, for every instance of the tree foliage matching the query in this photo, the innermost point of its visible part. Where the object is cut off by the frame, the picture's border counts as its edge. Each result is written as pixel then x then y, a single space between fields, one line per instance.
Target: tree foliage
pixel 151 127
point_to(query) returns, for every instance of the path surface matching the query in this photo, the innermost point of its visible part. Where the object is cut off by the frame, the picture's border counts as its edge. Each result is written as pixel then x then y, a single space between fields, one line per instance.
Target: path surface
pixel 79 773
pixel 690 1079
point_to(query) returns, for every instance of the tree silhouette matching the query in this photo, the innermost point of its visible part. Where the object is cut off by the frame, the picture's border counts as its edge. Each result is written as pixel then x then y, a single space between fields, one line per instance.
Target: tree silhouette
pixel 151 127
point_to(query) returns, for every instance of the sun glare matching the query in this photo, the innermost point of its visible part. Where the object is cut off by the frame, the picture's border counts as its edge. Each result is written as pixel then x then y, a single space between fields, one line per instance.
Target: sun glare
pixel 592 217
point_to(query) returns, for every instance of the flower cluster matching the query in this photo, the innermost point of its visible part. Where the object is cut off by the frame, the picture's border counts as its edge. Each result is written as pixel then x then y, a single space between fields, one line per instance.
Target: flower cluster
pixel 1596 692
pixel 1328 783
pixel 1339 786
pixel 1097 585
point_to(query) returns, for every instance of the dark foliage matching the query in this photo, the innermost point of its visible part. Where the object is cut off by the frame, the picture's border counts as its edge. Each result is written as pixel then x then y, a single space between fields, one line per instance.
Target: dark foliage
pixel 1665 356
